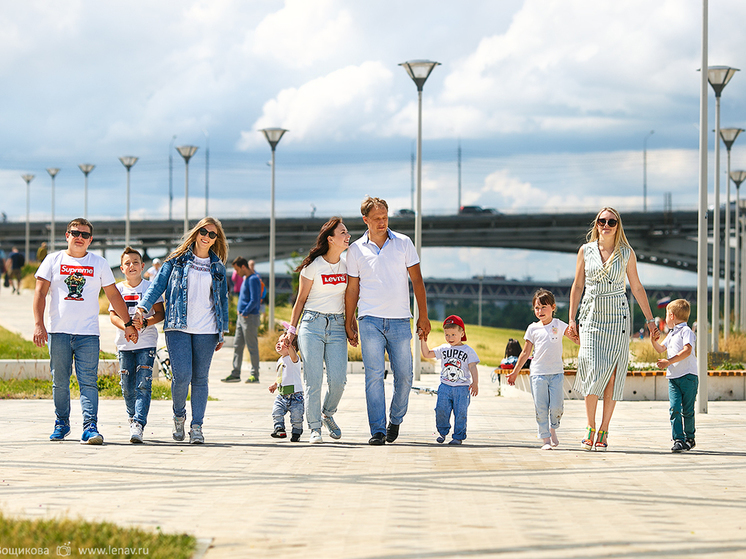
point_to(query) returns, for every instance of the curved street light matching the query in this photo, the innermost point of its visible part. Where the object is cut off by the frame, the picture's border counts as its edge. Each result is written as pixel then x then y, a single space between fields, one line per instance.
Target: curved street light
pixel 128 162
pixel 186 152
pixel 729 136
pixel 419 71
pixel 718 76
pixel 273 136
pixel 28 179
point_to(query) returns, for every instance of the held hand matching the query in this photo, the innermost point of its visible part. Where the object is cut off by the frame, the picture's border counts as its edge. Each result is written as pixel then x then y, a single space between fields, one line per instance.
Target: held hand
pixel 423 328
pixel 655 335
pixel 40 335
pixel 130 334
pixel 352 337
pixel 137 321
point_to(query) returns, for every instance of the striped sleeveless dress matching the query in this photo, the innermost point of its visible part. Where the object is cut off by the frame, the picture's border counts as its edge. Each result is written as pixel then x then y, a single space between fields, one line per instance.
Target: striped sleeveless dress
pixel 604 323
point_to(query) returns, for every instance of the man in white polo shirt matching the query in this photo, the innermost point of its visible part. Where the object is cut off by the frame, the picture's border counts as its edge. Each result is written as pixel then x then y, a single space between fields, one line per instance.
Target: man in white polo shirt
pixel 378 265
pixel 74 278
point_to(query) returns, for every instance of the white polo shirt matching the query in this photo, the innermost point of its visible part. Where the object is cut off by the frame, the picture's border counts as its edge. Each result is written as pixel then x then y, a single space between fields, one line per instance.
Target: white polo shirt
pixel 680 336
pixel 383 274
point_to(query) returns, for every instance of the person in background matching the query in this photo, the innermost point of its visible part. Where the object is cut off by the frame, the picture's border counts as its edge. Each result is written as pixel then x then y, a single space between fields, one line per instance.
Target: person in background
pixel 247 320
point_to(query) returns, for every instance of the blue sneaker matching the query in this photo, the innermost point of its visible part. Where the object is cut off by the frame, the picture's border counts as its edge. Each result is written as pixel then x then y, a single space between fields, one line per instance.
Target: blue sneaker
pixel 91 435
pixel 61 430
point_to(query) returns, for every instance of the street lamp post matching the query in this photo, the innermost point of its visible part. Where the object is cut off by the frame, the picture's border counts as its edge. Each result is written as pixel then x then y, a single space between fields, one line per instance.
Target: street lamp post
pixel 718 76
pixel 28 179
pixel 645 171
pixel 52 173
pixel 729 136
pixel 738 177
pixel 419 71
pixel 171 179
pixel 186 152
pixel 273 136
pixel 207 172
pixel 86 168
pixel 128 161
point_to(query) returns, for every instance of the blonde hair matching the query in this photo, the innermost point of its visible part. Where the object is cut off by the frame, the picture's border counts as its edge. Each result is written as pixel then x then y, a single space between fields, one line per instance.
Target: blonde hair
pixel 620 239
pixel 680 308
pixel 220 247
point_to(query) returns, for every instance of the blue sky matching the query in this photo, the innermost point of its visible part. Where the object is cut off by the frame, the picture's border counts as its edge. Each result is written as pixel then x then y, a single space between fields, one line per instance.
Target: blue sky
pixel 550 100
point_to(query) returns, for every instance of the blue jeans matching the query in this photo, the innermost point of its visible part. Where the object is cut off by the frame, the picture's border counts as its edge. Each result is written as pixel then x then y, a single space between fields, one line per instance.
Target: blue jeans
pixel 292 403
pixel 549 401
pixel 393 336
pixel 62 349
pixel 322 339
pixel 191 355
pixel 136 380
pixel 452 399
pixel 682 392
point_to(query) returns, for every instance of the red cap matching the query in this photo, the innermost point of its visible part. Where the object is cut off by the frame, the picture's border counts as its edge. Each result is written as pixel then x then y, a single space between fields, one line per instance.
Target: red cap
pixel 456 320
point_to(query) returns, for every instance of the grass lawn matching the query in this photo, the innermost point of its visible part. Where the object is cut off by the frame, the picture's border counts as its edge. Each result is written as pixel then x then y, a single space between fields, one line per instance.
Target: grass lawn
pixel 79 538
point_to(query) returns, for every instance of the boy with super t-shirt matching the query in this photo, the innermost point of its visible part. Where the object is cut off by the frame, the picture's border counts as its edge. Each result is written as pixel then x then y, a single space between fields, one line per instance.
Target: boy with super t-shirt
pixel 74 278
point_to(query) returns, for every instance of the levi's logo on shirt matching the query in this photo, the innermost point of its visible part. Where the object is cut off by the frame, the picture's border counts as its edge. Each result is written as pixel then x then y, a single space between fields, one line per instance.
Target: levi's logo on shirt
pixel 67 270
pixel 333 279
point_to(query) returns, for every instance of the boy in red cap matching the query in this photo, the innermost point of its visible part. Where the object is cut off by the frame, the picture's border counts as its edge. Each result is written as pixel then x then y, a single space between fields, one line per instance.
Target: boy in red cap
pixel 458 379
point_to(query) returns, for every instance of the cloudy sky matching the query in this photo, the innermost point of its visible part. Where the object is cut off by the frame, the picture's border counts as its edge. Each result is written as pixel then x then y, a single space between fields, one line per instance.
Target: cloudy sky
pixel 551 102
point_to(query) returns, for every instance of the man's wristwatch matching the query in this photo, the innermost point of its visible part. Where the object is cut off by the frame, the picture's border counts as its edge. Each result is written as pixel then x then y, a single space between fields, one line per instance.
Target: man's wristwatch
pixel 128 323
pixel 144 323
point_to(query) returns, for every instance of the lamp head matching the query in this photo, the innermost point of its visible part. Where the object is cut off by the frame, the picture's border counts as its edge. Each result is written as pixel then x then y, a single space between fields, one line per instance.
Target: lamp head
pixel 186 152
pixel 419 70
pixel 27 178
pixel 86 168
pixel 273 135
pixel 729 136
pixel 128 161
pixel 719 76
pixel 738 177
pixel 52 171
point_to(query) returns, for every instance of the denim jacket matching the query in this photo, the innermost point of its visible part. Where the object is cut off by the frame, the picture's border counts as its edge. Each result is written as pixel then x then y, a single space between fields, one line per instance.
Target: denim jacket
pixel 172 278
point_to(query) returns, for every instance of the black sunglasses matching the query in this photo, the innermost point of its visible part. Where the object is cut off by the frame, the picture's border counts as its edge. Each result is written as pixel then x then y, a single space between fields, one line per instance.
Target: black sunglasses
pixel 204 232
pixel 84 234
pixel 611 222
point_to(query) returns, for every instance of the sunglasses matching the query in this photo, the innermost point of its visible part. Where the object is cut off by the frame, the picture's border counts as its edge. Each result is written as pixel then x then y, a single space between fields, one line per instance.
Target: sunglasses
pixel 611 222
pixel 205 233
pixel 84 234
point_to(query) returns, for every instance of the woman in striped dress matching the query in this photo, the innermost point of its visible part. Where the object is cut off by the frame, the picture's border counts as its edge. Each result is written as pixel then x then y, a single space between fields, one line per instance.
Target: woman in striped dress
pixel 603 320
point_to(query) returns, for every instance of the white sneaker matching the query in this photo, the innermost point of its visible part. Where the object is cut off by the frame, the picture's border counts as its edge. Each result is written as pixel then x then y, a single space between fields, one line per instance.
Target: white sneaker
pixel 195 435
pixel 316 437
pixel 178 431
pixel 135 432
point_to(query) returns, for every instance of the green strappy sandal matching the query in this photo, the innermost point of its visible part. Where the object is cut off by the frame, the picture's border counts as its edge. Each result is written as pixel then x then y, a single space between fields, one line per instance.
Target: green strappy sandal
pixel 601 441
pixel 587 442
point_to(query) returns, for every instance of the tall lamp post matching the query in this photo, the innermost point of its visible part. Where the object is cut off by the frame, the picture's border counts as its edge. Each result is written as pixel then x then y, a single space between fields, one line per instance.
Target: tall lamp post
pixel 171 178
pixel 207 172
pixel 28 179
pixel 419 71
pixel 718 76
pixel 273 136
pixel 86 168
pixel 645 171
pixel 186 152
pixel 738 177
pixel 728 136
pixel 128 161
pixel 52 173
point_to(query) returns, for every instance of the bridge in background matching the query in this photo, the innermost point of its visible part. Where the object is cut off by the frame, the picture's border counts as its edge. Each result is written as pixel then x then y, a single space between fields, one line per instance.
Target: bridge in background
pixel 661 238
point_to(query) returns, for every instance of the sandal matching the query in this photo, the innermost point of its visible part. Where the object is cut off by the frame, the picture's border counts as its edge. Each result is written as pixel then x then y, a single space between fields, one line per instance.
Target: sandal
pixel 601 441
pixel 587 442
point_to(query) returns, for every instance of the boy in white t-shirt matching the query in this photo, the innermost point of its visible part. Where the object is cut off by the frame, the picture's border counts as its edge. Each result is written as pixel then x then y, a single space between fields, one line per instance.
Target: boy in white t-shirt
pixel 459 379
pixel 289 387
pixel 547 368
pixel 136 359
pixel 681 365
pixel 74 278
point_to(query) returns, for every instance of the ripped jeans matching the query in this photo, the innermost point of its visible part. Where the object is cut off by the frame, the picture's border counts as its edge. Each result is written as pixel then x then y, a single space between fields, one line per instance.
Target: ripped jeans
pixel 136 379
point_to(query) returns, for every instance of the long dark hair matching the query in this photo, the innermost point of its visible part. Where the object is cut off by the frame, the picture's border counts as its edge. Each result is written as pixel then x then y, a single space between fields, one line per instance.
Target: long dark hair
pixel 322 242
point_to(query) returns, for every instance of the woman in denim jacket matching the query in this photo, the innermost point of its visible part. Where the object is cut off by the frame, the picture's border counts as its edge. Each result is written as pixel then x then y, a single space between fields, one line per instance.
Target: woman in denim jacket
pixel 321 332
pixel 196 298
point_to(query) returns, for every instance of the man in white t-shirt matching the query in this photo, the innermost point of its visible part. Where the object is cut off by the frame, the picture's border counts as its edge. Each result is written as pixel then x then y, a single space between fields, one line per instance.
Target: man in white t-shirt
pixel 378 266
pixel 74 278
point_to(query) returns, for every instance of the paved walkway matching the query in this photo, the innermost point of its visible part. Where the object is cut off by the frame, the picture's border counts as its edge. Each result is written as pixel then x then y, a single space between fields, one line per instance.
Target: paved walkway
pixel 497 495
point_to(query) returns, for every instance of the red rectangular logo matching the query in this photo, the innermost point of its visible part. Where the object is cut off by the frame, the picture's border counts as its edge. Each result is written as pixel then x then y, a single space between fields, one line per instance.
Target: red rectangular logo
pixel 66 270
pixel 333 279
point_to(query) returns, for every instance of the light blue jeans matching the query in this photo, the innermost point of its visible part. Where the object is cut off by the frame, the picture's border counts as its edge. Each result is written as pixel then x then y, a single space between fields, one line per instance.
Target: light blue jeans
pixel 682 393
pixel 62 349
pixel 452 399
pixel 136 372
pixel 292 403
pixel 393 336
pixel 322 339
pixel 191 356
pixel 549 401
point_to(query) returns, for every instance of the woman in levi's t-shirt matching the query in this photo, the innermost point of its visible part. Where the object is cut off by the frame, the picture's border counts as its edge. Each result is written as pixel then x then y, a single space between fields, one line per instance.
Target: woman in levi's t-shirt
pixel 321 333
